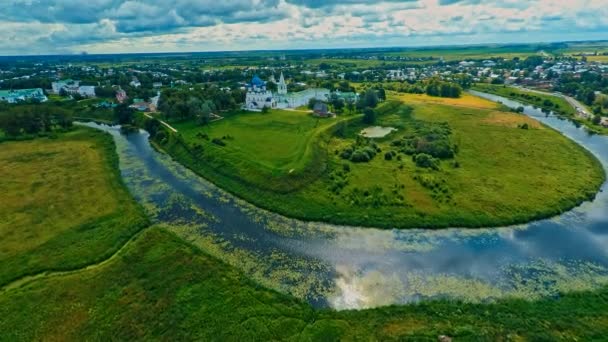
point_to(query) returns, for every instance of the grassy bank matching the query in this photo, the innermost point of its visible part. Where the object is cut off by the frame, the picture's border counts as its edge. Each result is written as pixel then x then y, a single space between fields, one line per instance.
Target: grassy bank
pixel 63 204
pixel 162 288
pixel 291 163
pixel 558 105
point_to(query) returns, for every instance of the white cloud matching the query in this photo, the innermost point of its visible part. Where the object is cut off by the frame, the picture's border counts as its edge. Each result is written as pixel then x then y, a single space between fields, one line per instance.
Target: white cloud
pixel 153 25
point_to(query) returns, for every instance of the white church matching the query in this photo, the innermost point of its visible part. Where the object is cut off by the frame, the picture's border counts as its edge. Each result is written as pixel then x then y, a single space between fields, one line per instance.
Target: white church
pixel 259 97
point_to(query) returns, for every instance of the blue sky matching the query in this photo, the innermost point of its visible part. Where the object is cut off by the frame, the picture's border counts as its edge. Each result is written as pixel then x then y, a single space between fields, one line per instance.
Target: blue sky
pixel 113 26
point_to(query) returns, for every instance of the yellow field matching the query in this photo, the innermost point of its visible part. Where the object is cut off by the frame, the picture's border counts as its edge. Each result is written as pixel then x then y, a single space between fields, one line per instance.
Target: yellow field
pixel 466 100
pixel 34 169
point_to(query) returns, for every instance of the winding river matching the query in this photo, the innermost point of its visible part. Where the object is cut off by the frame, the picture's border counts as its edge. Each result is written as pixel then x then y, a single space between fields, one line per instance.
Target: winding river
pixel 350 267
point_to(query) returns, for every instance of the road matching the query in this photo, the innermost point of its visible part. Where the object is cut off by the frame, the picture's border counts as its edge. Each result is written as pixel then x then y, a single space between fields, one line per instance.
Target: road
pixel 162 122
pixel 581 110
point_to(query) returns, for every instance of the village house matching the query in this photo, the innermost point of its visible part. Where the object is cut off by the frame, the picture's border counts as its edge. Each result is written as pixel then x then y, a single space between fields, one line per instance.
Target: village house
pixel 73 87
pixel 20 95
pixel 321 110
pixel 121 95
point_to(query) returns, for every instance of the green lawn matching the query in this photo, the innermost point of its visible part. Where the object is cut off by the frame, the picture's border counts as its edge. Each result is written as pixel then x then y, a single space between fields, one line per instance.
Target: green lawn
pixel 289 162
pixel 279 140
pixel 161 288
pixel 63 204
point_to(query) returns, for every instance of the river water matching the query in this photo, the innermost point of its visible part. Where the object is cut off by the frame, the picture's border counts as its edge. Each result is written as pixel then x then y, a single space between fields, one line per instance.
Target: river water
pixel 350 267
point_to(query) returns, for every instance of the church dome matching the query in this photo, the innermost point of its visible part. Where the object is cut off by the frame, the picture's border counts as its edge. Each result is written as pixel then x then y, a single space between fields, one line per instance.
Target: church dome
pixel 256 81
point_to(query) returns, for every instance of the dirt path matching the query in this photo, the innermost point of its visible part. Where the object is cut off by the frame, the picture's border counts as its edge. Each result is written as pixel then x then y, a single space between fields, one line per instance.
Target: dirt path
pixel 50 274
pixel 162 122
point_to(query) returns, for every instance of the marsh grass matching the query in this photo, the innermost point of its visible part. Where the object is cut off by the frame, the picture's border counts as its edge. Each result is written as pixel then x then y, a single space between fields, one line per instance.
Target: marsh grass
pixel 63 203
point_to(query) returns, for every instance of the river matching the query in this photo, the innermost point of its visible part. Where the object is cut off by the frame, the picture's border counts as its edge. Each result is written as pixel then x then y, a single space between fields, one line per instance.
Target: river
pixel 350 267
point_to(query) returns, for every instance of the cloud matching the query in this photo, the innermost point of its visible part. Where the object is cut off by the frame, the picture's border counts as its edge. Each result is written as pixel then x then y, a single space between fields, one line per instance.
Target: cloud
pixel 39 26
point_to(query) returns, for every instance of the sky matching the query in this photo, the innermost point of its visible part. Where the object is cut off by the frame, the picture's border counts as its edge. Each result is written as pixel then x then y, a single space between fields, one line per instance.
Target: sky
pixel 31 27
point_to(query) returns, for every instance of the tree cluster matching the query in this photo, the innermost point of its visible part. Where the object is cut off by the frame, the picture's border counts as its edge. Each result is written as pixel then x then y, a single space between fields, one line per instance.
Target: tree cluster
pixel 34 119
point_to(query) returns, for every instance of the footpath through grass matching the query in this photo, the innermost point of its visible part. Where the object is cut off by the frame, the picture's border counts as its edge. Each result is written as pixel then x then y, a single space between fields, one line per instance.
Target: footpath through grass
pixel 63 204
pixel 293 164
pixel 161 288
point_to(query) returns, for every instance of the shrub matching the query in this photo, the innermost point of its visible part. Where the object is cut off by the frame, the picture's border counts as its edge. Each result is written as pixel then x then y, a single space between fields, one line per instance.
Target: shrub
pixel 426 161
pixel 388 156
pixel 360 156
pixel 219 142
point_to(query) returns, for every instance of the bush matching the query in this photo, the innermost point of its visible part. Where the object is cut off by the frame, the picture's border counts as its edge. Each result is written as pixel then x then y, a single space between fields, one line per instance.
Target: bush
pixel 388 156
pixel 360 156
pixel 426 161
pixel 219 142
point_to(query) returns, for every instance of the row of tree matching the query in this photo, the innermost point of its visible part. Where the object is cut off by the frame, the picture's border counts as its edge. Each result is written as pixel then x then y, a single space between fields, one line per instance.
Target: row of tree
pixel 198 103
pixel 34 119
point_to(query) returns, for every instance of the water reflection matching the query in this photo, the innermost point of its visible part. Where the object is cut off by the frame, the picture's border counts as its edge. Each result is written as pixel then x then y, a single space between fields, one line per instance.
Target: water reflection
pixel 349 267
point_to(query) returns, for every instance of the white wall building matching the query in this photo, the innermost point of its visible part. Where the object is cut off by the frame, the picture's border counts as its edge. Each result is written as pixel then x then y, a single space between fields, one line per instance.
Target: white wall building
pixel 258 96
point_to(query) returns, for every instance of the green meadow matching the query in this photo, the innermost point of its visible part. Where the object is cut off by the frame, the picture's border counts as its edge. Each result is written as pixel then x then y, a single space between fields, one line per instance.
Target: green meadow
pixel 546 101
pixel 290 162
pixel 63 204
pixel 161 288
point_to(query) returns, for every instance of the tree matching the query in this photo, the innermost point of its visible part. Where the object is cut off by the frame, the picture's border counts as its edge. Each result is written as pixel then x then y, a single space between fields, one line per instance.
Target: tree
pixel 382 94
pixel 596 120
pixel 311 103
pixel 123 114
pixel 271 86
pixel 369 116
pixel 369 99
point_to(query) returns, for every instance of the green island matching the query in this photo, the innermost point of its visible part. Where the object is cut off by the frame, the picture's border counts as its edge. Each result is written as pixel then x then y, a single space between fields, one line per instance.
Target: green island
pixel 152 285
pixel 471 174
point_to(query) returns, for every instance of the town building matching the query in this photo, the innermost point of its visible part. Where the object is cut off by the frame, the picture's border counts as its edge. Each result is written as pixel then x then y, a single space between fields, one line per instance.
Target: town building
pixel 259 97
pixel 321 110
pixel 64 84
pixel 73 87
pixel 121 95
pixel 20 95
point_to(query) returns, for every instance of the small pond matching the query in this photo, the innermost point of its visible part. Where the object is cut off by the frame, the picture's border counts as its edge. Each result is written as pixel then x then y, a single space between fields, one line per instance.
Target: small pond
pixel 377 131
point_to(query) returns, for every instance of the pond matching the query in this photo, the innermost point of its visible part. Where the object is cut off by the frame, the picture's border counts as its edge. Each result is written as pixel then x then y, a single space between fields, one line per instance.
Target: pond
pixel 377 131
pixel 352 267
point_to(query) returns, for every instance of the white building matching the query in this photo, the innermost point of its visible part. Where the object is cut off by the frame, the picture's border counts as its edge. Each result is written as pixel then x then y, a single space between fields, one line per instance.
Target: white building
pixel 259 97
pixel 73 87
pixel 87 91
pixel 395 75
pixel 64 84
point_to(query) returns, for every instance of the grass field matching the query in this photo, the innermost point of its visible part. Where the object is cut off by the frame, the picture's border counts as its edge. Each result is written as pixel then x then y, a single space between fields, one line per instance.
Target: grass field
pixel 534 98
pixel 263 164
pixel 475 53
pixel 365 63
pixel 160 288
pixel 559 104
pixel 63 204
